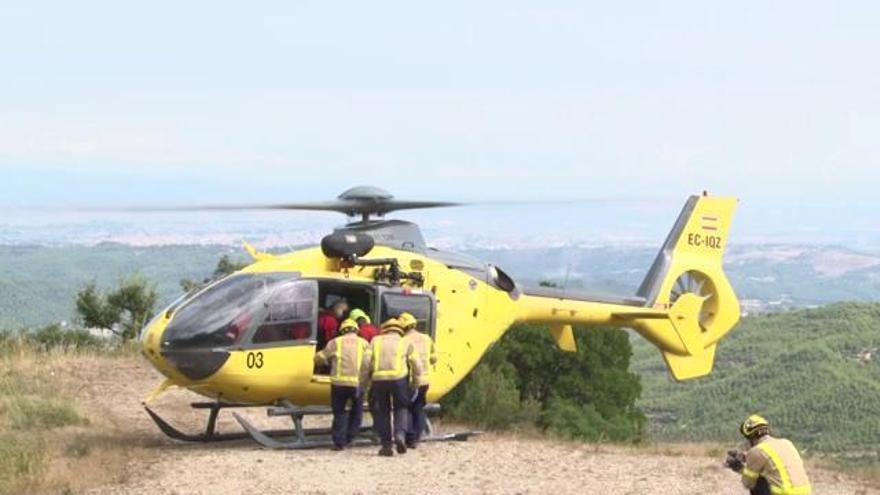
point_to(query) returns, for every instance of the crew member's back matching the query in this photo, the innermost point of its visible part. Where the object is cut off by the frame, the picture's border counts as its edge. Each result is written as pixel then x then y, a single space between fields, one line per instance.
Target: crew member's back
pixel 771 465
pixel 777 460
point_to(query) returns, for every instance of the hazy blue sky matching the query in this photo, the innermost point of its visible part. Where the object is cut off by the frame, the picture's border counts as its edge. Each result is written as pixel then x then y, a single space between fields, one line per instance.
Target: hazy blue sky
pixel 108 102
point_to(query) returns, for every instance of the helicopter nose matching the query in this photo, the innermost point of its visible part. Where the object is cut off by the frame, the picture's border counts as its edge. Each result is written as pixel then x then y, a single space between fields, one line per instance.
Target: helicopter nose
pixel 196 364
pixel 171 351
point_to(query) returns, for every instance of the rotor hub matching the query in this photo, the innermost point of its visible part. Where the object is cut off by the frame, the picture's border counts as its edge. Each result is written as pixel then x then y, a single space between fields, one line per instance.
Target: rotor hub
pixel 365 193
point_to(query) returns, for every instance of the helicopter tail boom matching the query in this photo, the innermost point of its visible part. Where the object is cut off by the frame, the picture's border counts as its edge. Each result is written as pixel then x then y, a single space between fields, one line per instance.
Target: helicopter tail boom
pixel 684 306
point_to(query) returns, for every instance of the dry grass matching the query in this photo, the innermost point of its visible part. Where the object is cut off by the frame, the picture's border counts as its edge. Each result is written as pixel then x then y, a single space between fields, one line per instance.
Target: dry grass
pixel 48 440
pixel 65 413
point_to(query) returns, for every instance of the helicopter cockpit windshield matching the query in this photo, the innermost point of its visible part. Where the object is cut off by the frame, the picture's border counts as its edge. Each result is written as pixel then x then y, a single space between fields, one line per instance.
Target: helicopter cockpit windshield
pixel 243 309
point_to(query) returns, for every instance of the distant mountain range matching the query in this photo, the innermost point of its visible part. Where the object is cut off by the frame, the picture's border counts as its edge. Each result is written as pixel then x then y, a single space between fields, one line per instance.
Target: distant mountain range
pixel 38 283
pixel 766 277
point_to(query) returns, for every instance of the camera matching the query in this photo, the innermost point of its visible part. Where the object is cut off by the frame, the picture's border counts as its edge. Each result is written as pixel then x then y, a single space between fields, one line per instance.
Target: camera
pixel 734 460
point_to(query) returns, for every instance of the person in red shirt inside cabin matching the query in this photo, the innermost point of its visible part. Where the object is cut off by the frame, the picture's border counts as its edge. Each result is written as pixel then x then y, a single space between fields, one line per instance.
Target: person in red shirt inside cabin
pixel 366 330
pixel 328 321
pixel 301 330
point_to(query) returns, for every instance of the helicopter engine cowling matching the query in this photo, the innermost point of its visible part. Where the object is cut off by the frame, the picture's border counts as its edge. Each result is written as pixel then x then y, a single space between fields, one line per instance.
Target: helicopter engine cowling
pixel 347 245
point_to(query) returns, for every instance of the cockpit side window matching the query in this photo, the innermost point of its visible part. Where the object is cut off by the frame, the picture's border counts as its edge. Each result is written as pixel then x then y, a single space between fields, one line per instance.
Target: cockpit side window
pixel 289 314
pixel 418 305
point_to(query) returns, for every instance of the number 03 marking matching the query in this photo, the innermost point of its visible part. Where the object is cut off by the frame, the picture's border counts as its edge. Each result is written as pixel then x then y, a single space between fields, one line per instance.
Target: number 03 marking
pixel 255 360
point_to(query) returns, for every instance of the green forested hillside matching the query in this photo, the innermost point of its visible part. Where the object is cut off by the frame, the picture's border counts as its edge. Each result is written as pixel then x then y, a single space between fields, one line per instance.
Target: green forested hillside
pixel 815 374
pixel 38 284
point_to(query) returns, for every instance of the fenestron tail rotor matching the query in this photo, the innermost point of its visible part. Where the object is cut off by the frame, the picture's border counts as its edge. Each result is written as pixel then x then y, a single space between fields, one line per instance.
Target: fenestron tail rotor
pixel 697 283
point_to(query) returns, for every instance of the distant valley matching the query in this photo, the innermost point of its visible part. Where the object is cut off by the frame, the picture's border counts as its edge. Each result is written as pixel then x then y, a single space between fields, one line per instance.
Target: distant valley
pixel 38 283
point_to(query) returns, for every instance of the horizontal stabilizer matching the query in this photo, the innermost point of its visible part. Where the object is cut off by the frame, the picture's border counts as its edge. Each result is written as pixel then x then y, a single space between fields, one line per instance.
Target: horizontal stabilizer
pixel 564 337
pixel 689 367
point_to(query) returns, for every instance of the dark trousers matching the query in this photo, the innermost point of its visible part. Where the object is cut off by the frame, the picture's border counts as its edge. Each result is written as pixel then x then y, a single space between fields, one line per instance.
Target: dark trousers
pixel 391 396
pixel 761 487
pixel 417 419
pixel 346 419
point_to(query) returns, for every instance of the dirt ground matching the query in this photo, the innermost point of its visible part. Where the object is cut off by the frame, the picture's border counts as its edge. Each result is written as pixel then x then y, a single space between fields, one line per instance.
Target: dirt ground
pixel 493 463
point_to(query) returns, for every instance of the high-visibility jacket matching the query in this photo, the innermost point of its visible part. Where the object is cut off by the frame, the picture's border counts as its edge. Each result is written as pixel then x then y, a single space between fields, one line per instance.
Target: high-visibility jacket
pixel 345 355
pixel 778 461
pixel 425 351
pixel 391 357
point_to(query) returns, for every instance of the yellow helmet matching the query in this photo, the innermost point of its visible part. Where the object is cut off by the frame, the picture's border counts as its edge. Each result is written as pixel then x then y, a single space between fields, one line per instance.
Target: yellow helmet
pixel 348 325
pixel 391 324
pixel 357 313
pixel 754 425
pixel 407 321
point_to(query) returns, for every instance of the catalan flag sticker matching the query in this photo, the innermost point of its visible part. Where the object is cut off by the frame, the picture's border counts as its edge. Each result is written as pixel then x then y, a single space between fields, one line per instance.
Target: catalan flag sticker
pixel 710 223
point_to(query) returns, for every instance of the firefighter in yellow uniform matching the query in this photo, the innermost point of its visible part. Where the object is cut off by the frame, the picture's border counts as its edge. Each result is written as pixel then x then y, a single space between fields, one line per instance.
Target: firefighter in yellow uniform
pixel 426 353
pixel 772 465
pixel 345 354
pixel 390 367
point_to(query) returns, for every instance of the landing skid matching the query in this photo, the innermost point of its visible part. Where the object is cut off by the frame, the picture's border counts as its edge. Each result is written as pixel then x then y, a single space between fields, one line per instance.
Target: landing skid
pixel 209 435
pixel 299 437
pixel 301 440
pixel 265 439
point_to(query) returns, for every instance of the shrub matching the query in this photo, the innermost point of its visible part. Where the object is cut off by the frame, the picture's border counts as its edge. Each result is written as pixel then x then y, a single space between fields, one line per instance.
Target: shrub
pixel 491 400
pixel 587 395
pixel 54 336
pixel 123 311
pixel 569 419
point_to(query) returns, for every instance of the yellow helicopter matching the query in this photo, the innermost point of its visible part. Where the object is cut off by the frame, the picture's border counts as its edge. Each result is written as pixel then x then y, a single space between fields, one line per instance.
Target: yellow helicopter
pixel 250 338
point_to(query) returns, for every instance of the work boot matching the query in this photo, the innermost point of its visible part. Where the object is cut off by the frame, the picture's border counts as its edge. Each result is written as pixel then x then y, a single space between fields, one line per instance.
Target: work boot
pixel 337 448
pixel 411 444
pixel 401 446
pixel 386 452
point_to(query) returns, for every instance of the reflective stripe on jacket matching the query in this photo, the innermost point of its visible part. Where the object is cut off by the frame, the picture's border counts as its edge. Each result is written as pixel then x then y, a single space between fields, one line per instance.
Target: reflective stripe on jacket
pixel 345 354
pixel 391 358
pixel 426 353
pixel 778 461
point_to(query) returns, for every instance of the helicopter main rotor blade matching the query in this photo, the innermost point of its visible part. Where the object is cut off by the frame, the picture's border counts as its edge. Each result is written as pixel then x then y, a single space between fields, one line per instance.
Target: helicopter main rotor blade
pixel 368 200
pixel 350 208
